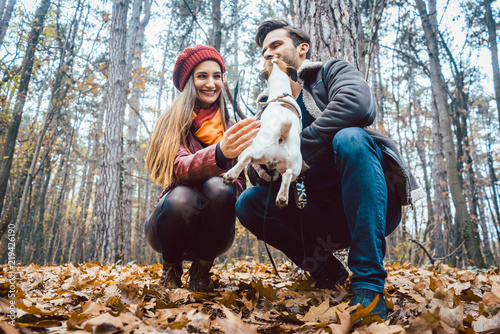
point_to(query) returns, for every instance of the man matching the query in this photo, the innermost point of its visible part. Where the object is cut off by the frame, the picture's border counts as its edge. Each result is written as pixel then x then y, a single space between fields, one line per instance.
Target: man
pixel 356 181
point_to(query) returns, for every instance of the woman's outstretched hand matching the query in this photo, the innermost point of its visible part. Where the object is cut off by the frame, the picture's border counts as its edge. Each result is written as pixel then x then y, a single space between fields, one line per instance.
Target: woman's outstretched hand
pixel 239 137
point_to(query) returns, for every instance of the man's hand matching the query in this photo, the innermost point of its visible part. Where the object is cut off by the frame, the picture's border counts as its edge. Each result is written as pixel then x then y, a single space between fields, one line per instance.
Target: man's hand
pixel 239 137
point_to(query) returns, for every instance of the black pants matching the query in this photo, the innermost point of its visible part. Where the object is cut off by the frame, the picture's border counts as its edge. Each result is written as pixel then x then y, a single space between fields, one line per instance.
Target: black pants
pixel 193 222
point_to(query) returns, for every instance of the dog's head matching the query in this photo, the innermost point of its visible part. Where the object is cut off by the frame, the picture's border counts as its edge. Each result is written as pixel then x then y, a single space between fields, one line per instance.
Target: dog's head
pixel 284 67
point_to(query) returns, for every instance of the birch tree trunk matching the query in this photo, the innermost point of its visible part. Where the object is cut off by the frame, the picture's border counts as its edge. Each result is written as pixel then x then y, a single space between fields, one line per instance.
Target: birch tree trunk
pixel 467 231
pixel 108 215
pixel 441 203
pixel 333 27
pixel 10 143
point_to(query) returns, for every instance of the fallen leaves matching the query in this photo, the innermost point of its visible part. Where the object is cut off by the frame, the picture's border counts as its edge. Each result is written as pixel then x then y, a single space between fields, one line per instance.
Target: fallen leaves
pixel 248 299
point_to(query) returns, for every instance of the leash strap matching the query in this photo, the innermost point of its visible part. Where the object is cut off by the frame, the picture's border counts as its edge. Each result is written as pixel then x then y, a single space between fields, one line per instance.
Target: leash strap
pixel 264 229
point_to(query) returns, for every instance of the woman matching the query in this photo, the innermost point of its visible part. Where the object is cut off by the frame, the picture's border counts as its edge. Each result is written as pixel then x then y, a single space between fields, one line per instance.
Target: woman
pixel 192 145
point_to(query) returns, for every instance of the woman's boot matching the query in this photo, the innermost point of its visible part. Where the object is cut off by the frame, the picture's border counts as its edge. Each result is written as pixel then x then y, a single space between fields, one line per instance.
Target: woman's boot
pixel 199 276
pixel 172 273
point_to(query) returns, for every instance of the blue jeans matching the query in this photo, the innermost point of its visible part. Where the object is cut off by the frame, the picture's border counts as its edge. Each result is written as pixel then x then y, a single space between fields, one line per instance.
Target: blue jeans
pixel 348 205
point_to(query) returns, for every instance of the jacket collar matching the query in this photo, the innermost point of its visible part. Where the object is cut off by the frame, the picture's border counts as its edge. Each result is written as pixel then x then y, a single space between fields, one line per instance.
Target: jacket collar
pixel 307 65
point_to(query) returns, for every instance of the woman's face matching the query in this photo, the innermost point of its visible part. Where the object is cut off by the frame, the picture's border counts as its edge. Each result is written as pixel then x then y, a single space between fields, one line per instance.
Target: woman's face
pixel 208 83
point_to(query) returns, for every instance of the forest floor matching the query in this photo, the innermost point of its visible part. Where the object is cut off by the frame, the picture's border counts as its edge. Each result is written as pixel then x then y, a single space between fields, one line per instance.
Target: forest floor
pixel 90 297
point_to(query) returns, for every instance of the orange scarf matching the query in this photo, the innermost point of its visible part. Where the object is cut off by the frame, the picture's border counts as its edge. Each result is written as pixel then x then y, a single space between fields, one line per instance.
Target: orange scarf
pixel 207 124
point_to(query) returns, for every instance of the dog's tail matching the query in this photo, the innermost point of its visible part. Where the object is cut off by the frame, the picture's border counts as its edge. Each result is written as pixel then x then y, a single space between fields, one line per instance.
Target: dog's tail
pixel 284 131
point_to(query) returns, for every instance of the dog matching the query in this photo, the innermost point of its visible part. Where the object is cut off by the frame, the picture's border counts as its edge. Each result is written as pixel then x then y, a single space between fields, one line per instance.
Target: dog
pixel 277 144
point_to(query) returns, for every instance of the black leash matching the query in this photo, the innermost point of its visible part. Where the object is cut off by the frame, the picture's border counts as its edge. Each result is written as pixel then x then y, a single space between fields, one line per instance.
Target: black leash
pixel 301 202
pixel 236 92
pixel 264 227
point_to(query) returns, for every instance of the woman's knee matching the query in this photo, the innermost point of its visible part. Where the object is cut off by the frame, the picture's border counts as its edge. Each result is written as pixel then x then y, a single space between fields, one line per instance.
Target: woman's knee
pixel 217 192
pixel 182 200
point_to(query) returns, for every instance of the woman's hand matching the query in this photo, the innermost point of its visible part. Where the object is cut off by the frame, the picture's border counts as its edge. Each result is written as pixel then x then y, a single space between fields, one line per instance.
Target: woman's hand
pixel 239 137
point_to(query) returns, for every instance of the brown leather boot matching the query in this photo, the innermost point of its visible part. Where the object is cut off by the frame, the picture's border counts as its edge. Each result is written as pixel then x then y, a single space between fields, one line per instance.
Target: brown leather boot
pixel 171 276
pixel 199 276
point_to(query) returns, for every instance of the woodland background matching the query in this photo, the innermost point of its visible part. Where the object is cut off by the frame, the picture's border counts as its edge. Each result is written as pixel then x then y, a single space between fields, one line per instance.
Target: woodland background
pixel 82 83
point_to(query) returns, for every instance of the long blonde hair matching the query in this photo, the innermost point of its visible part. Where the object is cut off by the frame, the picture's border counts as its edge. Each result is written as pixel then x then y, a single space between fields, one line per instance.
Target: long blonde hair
pixel 171 130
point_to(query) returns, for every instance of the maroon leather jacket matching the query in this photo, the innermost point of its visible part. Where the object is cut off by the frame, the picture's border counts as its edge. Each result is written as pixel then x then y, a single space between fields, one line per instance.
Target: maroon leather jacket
pixel 197 162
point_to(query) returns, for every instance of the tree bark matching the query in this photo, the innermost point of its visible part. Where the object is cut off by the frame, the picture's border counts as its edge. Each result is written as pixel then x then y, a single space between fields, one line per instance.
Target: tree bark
pixel 38 235
pixel 79 254
pixel 138 81
pixel 10 143
pixel 492 39
pixel 466 229
pixel 216 36
pixel 333 27
pixel 108 215
pixel 6 14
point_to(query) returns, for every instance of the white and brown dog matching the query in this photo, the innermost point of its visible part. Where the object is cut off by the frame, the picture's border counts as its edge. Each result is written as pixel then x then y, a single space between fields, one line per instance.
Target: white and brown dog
pixel 278 142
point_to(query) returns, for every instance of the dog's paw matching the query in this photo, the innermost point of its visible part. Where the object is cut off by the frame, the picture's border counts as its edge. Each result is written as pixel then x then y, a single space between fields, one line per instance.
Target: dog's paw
pixel 281 202
pixel 228 180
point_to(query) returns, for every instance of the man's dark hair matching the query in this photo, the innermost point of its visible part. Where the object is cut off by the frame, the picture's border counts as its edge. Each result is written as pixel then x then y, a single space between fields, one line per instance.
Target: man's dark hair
pixel 297 35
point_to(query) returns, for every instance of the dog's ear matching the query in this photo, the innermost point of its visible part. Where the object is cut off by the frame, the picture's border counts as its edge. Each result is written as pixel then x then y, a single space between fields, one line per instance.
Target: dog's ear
pixel 292 73
pixel 262 76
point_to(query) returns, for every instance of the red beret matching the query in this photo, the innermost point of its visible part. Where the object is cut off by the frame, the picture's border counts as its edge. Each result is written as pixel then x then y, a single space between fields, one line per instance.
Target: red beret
pixel 189 59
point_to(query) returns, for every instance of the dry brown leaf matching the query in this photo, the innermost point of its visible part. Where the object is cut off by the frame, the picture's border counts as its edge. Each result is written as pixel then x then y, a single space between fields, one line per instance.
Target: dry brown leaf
pixel 344 323
pixel 418 298
pixel 492 298
pixel 420 286
pixel 380 328
pixel 233 324
pixel 436 284
pixel 104 320
pixel 466 275
pixel 93 309
pixel 8 329
pixel 179 295
pixel 460 287
pixel 322 312
pixel 484 325
pixel 228 298
pixel 423 324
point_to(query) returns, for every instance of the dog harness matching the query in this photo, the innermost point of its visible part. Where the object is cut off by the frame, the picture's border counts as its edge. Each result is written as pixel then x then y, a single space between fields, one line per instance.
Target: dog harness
pixel 285 103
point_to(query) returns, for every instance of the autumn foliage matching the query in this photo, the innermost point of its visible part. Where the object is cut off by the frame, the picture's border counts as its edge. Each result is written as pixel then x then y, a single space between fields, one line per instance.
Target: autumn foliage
pixel 248 299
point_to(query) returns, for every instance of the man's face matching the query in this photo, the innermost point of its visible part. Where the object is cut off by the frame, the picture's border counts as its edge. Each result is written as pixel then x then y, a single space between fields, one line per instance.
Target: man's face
pixel 279 44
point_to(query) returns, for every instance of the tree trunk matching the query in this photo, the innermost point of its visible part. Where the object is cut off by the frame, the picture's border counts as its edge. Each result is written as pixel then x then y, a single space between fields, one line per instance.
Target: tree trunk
pixel 441 203
pixel 79 254
pixel 333 27
pixel 466 229
pixel 493 181
pixel 38 239
pixel 216 36
pixel 5 15
pixel 108 215
pixel 138 81
pixel 421 150
pixel 492 39
pixel 10 143
pixel 235 15
pixel 167 48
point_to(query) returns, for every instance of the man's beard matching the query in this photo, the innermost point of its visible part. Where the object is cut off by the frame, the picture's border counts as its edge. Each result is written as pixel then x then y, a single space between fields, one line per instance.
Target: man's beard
pixel 291 59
